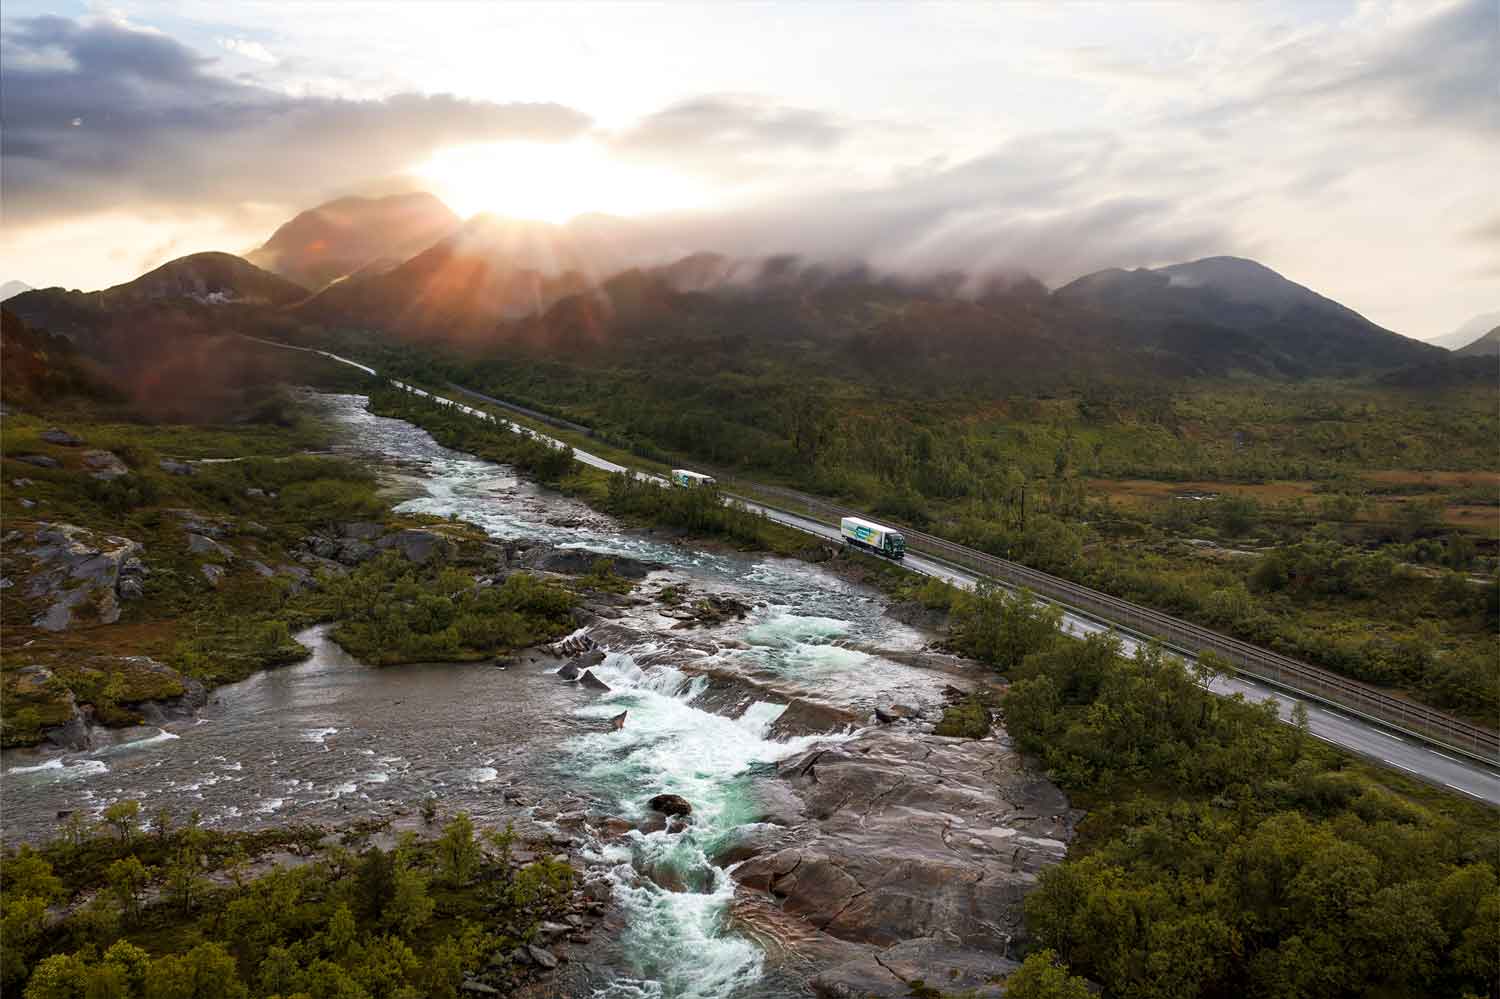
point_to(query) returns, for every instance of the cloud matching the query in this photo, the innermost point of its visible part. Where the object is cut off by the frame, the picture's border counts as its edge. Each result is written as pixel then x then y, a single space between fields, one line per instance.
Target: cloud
pixel 1046 205
pixel 249 49
pixel 730 136
pixel 1434 68
pixel 158 130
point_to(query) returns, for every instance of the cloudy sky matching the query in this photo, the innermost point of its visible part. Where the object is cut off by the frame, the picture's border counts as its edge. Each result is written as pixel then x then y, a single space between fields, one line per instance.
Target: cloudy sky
pixel 1352 146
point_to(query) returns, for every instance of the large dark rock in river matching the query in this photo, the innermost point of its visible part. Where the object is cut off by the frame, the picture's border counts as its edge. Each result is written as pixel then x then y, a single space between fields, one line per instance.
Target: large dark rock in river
pixel 670 804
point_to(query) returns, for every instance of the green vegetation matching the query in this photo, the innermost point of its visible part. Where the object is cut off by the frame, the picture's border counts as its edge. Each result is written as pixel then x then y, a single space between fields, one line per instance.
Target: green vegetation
pixel 1226 853
pixel 970 718
pixel 178 912
pixel 389 611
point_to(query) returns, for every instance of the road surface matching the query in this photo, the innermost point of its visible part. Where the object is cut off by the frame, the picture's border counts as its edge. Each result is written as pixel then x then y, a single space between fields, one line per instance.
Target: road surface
pixel 1357 735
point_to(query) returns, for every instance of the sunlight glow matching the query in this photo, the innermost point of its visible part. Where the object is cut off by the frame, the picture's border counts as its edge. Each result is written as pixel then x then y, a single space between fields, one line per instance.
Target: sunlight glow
pixel 551 182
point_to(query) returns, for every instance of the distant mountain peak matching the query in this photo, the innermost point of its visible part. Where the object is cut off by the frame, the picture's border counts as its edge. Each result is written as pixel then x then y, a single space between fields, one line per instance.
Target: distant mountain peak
pixel 11 289
pixel 342 236
pixel 1487 345
pixel 1467 333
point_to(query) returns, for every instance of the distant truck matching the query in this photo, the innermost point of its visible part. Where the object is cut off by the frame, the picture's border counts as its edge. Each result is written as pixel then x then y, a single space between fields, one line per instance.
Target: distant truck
pixel 692 480
pixel 873 537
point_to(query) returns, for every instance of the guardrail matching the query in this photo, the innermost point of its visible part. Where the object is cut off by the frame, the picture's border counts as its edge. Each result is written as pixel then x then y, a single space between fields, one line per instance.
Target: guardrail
pixel 1360 698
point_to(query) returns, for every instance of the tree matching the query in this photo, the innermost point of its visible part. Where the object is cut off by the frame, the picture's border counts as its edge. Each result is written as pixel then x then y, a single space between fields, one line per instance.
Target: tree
pixel 1003 628
pixel 411 906
pixel 122 815
pixel 458 851
pixel 1043 976
pixel 127 877
pixel 22 925
pixel 61 976
pixel 1032 711
pixel 206 970
pixel 184 883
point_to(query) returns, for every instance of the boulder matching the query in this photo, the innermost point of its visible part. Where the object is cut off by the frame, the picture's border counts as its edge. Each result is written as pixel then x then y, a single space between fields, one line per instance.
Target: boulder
pixel 362 530
pixel 200 545
pixel 670 804
pixel 353 552
pixel 197 523
pixel 213 573
pixel 588 659
pixel 592 682
pixel 39 682
pixel 543 957
pixel 39 460
pixel 79 573
pixel 106 464
pixel 475 987
pixel 325 548
pixel 132 588
pixel 261 569
pixel 567 671
pixel 55 435
pixel 618 721
pixel 176 467
pixel 895 713
pixel 415 545
pixel 580 562
pixel 574 645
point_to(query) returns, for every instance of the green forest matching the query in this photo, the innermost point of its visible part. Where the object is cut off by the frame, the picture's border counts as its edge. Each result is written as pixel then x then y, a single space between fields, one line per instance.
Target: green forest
pixel 1226 853
pixel 178 911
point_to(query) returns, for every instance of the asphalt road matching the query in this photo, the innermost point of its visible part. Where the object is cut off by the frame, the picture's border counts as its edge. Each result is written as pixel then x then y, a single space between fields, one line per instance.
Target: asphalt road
pixel 1357 735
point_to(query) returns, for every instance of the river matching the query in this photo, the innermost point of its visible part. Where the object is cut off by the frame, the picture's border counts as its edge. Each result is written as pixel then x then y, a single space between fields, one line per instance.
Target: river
pixel 330 739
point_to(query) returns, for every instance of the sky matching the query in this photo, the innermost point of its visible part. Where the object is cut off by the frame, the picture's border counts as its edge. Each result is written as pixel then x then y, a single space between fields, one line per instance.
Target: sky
pixel 1352 146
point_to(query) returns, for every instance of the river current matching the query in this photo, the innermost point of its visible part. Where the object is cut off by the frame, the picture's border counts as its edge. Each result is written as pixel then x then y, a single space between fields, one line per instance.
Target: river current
pixel 330 739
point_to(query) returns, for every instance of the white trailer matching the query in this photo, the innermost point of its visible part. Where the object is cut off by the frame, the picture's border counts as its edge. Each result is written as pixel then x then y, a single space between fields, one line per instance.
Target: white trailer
pixel 873 537
pixel 691 480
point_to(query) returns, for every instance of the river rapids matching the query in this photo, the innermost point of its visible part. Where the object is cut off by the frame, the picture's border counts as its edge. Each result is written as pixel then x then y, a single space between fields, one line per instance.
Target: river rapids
pixel 330 740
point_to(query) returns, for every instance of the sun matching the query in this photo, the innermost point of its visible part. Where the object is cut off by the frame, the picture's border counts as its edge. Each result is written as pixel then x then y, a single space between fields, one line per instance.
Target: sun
pixel 551 182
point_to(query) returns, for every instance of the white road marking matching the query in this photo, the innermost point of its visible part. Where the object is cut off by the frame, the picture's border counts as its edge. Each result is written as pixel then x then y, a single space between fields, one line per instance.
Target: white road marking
pixel 1445 756
pixel 1389 736
pixel 1462 790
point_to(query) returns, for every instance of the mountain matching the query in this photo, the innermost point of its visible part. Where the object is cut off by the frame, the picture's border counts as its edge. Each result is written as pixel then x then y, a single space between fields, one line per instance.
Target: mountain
pixel 1468 332
pixel 11 289
pixel 337 239
pixel 200 289
pixel 1243 314
pixel 492 269
pixel 1486 346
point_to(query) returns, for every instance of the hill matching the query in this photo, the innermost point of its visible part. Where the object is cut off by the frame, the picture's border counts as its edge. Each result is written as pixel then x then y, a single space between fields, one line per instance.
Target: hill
pixel 340 238
pixel 492 269
pixel 199 289
pixel 1243 315
pixel 1486 346
pixel 1214 318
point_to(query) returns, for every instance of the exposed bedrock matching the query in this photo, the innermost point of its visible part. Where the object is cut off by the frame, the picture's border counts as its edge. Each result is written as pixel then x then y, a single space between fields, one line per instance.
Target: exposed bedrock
pixel 910 861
